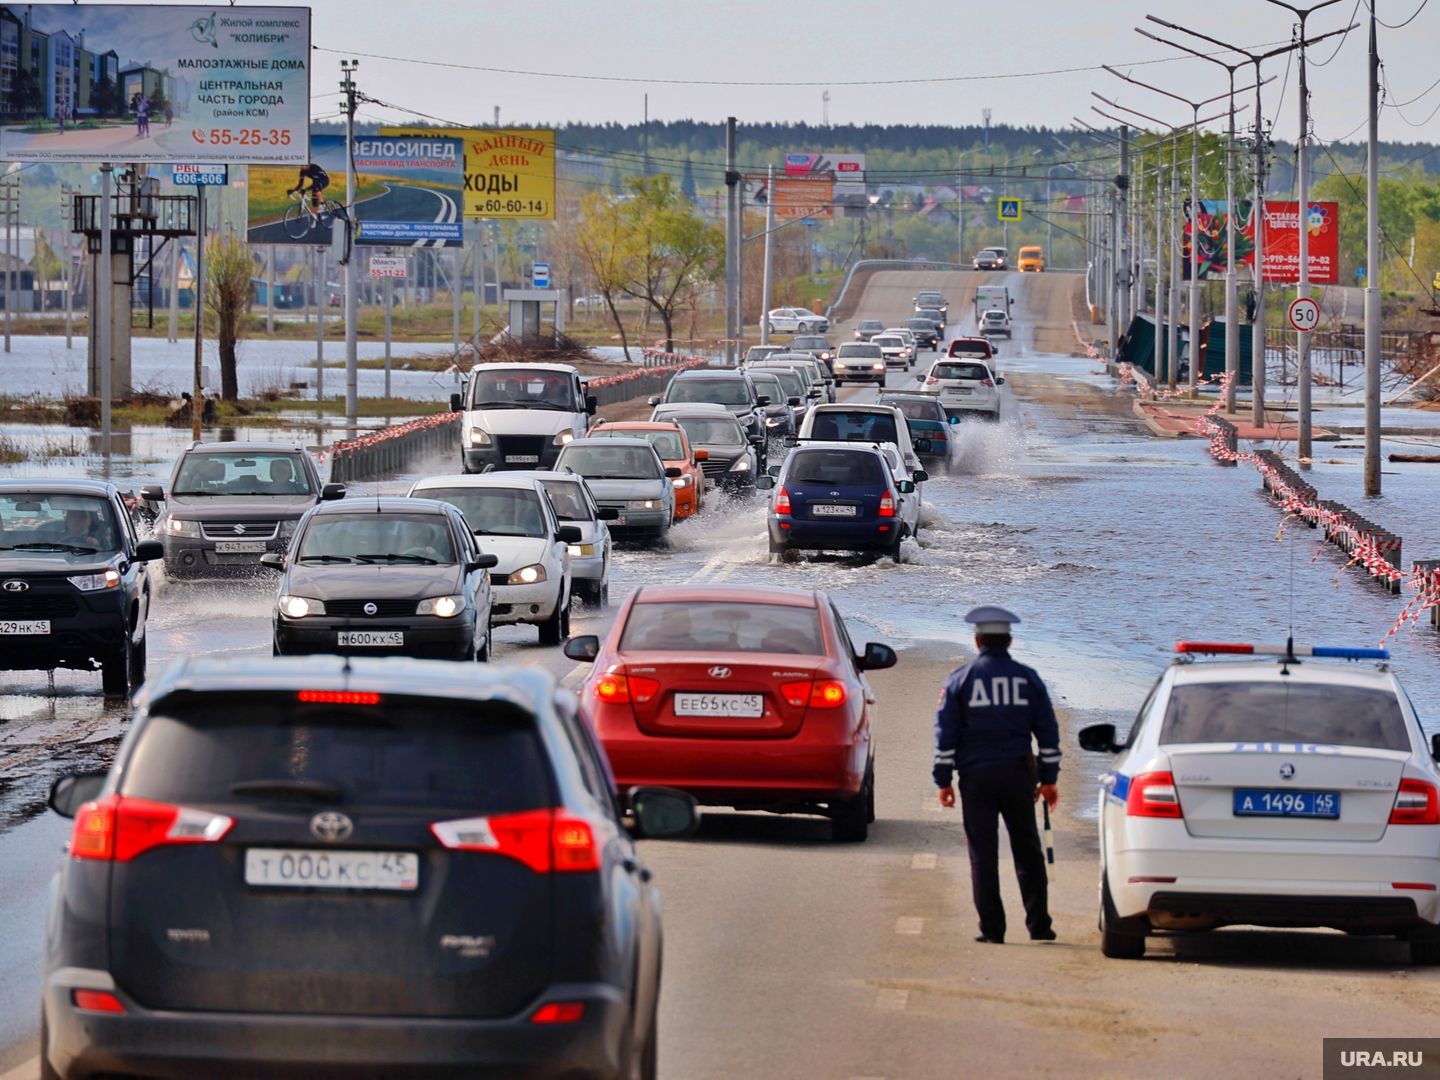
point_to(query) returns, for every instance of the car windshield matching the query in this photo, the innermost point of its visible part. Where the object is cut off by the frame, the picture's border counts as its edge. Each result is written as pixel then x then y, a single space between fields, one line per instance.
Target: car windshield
pixel 790 383
pixel 568 500
pixel 888 341
pixel 848 468
pixel 994 316
pixel 928 299
pixel 377 538
pixel 914 410
pixel 666 443
pixel 924 325
pixel 854 427
pixel 757 351
pixel 63 524
pixel 405 752
pixel 494 511
pixel 859 352
pixel 610 462
pixel 203 473
pixel 705 431
pixel 1256 712
pixel 870 324
pixel 960 371
pixel 809 343
pixel 723 627
pixel 970 348
pixel 522 388
pixel 718 391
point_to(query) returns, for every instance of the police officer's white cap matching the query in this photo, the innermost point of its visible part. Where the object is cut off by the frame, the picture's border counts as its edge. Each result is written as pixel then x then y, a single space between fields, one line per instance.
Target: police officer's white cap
pixel 991 620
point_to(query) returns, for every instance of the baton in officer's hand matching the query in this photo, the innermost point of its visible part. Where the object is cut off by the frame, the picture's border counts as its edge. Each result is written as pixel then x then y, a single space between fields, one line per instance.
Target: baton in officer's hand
pixel 1049 843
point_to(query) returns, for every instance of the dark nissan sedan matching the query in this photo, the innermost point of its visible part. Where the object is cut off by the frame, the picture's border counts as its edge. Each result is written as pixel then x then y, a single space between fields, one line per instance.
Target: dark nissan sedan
pixel 384 577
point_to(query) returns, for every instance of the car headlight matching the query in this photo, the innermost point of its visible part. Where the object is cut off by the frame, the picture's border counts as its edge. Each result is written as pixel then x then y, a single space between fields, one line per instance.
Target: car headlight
pixel 527 575
pixel 904 352
pixel 770 421
pixel 645 504
pixel 878 367
pixel 839 365
pixel 181 527
pixel 681 481
pixel 577 550
pixel 741 465
pixel 287 528
pixel 824 356
pixel 108 579
pixel 297 607
pixel 479 437
pixel 563 438
pixel 444 606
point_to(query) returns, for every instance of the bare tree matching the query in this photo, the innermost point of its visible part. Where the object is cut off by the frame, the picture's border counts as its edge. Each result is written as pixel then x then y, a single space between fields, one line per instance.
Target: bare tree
pixel 229 267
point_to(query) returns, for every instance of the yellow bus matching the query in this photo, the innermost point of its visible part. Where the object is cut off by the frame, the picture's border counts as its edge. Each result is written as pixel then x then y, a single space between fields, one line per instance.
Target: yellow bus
pixel 1032 258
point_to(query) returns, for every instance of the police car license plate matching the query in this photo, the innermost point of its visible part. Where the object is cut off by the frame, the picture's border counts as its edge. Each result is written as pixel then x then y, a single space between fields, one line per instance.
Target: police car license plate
pixel 1251 802
pixel 240 547
pixel 719 705
pixel 829 510
pixel 522 459
pixel 33 626
pixel 374 639
pixel 305 868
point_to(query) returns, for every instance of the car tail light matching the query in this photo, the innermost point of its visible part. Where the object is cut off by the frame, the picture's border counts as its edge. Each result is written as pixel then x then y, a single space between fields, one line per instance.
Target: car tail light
pixel 887 504
pixel 559 1012
pixel 819 694
pixel 616 689
pixel 339 697
pixel 782 501
pixel 97 1001
pixel 796 693
pixel 544 840
pixel 1153 795
pixel 987 382
pixel 1420 886
pixel 1416 803
pixel 930 380
pixel 120 829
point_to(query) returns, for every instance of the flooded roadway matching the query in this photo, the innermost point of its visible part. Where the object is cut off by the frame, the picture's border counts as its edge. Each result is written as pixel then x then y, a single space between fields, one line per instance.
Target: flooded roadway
pixel 1110 544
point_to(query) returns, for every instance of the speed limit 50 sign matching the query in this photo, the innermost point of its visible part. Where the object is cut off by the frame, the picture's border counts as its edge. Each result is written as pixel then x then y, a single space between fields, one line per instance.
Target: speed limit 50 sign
pixel 1304 314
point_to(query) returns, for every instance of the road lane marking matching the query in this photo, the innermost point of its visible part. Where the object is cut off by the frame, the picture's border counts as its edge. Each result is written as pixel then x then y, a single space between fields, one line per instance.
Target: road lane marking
pixel 705 570
pixel 923 862
pixel 909 924
pixel 573 676
pixel 892 1000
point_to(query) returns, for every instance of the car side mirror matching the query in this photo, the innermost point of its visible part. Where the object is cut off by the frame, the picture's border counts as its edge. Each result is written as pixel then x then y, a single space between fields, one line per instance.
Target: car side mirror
pixel 149 551
pixel 791 440
pixel 816 392
pixel 571 534
pixel 877 657
pixel 484 562
pixel 455 404
pixel 607 513
pixel 999 380
pixel 663 813
pixel 764 483
pixel 331 492
pixel 653 400
pixel 583 648
pixel 954 420
pixel 920 476
pixel 273 559
pixel 672 472
pixel 153 493
pixel 702 455
pixel 905 487
pixel 923 446
pixel 763 400
pixel 591 404
pixel 773 470
pixel 1099 739
pixel 69 793
pixel 792 401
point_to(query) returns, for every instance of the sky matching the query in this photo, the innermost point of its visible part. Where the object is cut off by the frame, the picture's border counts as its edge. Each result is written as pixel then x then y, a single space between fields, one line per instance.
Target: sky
pixel 835 42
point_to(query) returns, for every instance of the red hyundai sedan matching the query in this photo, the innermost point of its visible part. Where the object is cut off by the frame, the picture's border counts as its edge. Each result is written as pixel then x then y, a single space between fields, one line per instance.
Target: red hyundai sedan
pixel 747 697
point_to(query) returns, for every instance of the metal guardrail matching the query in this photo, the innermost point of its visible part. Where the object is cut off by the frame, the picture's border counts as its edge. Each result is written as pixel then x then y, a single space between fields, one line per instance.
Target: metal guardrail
pixel 394 449
pixel 609 389
pixel 884 264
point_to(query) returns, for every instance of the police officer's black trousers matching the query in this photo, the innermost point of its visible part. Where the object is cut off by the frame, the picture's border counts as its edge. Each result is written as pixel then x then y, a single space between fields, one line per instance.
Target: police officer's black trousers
pixel 988 793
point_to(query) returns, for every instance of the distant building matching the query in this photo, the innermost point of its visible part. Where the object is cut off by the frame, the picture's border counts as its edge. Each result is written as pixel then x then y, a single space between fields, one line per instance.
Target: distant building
pixel 51 74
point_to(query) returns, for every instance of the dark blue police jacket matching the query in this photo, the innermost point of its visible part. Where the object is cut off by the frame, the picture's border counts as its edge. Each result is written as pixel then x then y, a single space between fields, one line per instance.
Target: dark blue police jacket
pixel 988 711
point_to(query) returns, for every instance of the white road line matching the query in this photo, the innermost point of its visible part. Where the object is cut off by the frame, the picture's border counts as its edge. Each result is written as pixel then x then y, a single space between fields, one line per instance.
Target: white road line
pixel 704 570
pixel 573 676
pixel 892 1000
pixel 28 1071
pixel 909 924
pixel 923 861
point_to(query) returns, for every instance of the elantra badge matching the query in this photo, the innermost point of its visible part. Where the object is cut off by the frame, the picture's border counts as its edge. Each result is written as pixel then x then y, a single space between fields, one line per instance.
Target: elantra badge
pixel 331 826
pixel 719 672
pixel 1287 771
pixel 16 586
pixel 370 608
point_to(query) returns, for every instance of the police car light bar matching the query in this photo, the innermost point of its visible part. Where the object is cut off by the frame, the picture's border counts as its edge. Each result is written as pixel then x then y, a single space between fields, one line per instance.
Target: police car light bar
pixel 1335 652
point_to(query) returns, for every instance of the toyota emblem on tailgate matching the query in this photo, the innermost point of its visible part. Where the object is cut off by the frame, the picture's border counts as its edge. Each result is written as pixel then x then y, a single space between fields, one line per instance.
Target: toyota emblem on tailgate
pixel 14 585
pixel 331 825
pixel 719 672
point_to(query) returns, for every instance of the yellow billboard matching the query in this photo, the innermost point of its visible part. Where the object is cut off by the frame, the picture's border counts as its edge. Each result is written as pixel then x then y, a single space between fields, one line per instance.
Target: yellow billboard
pixel 509 172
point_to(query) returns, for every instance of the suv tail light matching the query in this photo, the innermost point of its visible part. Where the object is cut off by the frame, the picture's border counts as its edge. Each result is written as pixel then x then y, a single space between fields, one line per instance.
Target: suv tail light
pixel 559 1012
pixel 1153 795
pixel 987 382
pixel 120 829
pixel 820 694
pixel 782 501
pixel 1416 803
pixel 887 504
pixel 544 840
pixel 930 380
pixel 616 689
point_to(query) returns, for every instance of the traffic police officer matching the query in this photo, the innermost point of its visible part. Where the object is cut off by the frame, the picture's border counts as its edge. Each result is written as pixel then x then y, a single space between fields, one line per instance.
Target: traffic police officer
pixel 988 712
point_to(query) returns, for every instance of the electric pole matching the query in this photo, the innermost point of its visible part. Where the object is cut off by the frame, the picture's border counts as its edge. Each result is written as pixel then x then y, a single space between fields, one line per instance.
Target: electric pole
pixel 1372 272
pixel 732 180
pixel 352 284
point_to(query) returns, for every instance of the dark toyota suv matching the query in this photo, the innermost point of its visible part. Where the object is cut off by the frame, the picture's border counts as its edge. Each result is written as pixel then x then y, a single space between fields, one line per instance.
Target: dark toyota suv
pixel 731 388
pixel 308 867
pixel 230 503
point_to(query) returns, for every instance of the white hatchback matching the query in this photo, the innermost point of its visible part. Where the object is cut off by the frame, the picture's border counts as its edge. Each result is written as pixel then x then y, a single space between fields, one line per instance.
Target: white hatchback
pixel 1282 792
pixel 995 321
pixel 964 386
pixel 794 320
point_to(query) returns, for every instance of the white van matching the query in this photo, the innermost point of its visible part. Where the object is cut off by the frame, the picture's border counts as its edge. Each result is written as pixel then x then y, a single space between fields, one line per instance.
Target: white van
pixel 520 416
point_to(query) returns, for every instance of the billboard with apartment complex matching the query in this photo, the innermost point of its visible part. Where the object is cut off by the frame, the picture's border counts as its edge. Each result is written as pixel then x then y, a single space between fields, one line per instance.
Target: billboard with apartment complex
pixel 125 82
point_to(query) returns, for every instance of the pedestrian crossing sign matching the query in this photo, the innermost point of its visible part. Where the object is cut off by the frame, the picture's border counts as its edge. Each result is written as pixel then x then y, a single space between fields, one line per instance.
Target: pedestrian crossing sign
pixel 1010 209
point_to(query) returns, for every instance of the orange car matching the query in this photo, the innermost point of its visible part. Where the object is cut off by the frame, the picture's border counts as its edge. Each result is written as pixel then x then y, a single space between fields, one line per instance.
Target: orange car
pixel 674 450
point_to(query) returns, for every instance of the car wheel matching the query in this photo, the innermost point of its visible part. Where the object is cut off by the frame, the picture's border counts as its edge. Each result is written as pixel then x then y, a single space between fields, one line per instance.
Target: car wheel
pixel 870 793
pixel 650 1052
pixel 47 1071
pixel 1425 951
pixel 1120 939
pixel 770 328
pixel 115 671
pixel 894 551
pixel 464 469
pixel 565 618
pixel 849 823
pixel 803 328
pixel 482 654
pixel 550 631
pixel 275 649
pixel 137 663
pixel 778 547
pixel 604 595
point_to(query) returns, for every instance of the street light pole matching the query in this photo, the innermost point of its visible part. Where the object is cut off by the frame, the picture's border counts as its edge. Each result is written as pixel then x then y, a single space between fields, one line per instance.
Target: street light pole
pixel 352 281
pixel 1372 272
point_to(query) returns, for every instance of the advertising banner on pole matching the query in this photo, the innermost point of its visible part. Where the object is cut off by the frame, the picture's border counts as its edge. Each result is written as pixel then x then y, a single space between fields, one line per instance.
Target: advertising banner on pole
pixel 143 83
pixel 509 172
pixel 383 266
pixel 849 170
pixel 1282 242
pixel 795 196
pixel 409 192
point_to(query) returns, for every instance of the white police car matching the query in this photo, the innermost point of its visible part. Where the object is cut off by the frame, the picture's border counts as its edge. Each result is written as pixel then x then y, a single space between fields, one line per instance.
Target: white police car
pixel 1283 792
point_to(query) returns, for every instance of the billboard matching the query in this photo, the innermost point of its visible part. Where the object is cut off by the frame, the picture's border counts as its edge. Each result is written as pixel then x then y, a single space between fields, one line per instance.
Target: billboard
pixel 849 170
pixel 1282 242
pixel 409 192
pixel 509 172
pixel 127 82
pixel 810 197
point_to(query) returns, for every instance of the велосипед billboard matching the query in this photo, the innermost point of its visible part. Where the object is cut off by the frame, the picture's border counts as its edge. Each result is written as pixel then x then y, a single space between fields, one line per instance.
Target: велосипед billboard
pixel 141 83
pixel 409 193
